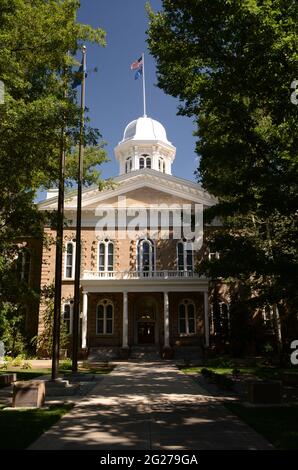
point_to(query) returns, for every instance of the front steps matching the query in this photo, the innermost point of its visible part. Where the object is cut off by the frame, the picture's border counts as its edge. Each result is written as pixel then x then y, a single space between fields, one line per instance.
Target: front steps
pixel 144 353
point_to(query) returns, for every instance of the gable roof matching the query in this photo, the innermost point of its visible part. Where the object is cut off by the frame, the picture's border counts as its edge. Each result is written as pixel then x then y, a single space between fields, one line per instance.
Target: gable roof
pixel 146 178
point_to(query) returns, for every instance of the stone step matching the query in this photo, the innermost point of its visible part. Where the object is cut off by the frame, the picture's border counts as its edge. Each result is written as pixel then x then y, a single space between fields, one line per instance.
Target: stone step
pixel 144 352
pixel 103 354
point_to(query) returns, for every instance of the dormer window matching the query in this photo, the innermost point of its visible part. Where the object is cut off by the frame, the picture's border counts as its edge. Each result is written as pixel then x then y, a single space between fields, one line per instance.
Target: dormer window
pixel 145 161
pixel 128 165
pixel 161 165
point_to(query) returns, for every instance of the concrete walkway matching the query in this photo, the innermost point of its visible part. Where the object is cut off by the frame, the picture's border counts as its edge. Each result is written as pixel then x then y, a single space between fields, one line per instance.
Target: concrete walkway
pixel 149 406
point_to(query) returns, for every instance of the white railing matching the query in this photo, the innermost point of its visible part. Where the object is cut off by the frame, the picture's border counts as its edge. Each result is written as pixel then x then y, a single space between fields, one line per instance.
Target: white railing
pixel 166 274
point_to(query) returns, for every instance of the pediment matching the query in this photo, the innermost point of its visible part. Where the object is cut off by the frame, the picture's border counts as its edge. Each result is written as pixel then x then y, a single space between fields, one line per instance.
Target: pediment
pixel 140 188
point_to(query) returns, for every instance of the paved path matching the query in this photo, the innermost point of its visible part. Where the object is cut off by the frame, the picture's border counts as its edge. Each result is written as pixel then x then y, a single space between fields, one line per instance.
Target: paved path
pixel 149 406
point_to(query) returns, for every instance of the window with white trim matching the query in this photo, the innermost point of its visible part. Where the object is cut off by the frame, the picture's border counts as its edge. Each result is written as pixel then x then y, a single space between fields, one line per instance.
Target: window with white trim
pixel 146 255
pixel 161 165
pixel 69 271
pixel 185 256
pixel 105 317
pixel 220 318
pixel 106 255
pixel 145 161
pixel 128 165
pixel 67 318
pixel 186 318
pixel 24 264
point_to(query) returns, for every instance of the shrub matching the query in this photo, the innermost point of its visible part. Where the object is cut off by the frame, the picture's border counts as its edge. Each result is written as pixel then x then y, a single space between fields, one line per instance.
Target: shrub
pixel 26 365
pixel 65 365
pixel 220 363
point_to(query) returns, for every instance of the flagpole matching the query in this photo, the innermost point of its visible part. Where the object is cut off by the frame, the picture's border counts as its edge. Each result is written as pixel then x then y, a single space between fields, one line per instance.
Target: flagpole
pixel 77 293
pixel 144 85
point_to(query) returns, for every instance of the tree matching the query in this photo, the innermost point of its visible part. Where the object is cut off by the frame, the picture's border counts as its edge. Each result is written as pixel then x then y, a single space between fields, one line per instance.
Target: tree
pixel 231 63
pixel 38 42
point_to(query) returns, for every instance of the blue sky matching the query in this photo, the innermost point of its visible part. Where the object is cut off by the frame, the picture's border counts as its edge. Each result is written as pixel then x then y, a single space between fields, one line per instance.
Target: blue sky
pixel 113 97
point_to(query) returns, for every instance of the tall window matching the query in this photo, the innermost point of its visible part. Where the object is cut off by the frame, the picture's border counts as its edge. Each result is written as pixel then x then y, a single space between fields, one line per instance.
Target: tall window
pixel 220 318
pixel 142 163
pixel 161 165
pixel 186 317
pixel 185 256
pixel 105 318
pixel 69 260
pixel 106 255
pixel 128 165
pixel 145 256
pixel 23 265
pixel 145 161
pixel 67 318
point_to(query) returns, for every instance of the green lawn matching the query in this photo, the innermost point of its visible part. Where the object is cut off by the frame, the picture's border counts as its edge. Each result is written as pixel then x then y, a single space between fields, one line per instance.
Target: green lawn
pixel 30 374
pixel 26 374
pixel 19 428
pixel 261 372
pixel 278 425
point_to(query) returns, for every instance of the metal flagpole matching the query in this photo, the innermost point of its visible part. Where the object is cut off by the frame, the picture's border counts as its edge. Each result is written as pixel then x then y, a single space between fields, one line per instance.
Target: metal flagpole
pixel 76 310
pixel 144 84
pixel 58 262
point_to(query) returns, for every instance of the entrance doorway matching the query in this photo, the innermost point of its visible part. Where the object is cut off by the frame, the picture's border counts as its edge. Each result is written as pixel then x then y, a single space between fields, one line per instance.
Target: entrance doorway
pixel 146 332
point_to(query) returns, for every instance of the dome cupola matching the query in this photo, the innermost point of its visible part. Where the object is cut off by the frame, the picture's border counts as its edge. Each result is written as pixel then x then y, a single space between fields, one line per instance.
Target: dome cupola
pixel 145 145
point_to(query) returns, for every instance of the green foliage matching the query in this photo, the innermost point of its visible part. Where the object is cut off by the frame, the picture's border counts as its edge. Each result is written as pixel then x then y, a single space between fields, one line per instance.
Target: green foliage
pixel 38 42
pixel 65 364
pixel 44 341
pixel 231 64
pixel 12 329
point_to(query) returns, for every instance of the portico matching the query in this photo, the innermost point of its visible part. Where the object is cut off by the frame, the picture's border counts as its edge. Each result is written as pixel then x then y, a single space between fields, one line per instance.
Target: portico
pixel 146 312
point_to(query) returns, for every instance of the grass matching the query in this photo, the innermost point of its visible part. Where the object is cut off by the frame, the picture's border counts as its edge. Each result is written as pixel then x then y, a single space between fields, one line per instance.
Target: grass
pixel 278 425
pixel 34 373
pixel 26 374
pixel 20 427
pixel 262 372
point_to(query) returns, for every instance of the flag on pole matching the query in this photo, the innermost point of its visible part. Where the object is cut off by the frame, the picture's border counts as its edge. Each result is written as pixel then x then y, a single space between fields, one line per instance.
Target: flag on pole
pixel 78 76
pixel 137 66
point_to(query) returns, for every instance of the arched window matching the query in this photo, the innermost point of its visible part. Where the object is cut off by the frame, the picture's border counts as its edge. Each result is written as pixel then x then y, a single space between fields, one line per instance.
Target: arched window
pixel 161 165
pixel 106 255
pixel 145 161
pixel 105 317
pixel 146 256
pixel 23 265
pixel 67 318
pixel 185 259
pixel 128 165
pixel 69 260
pixel 186 317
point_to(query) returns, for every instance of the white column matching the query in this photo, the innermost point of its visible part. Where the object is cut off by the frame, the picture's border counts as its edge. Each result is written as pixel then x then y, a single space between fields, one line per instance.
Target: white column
pixel 166 320
pixel 125 321
pixel 206 315
pixel 84 319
